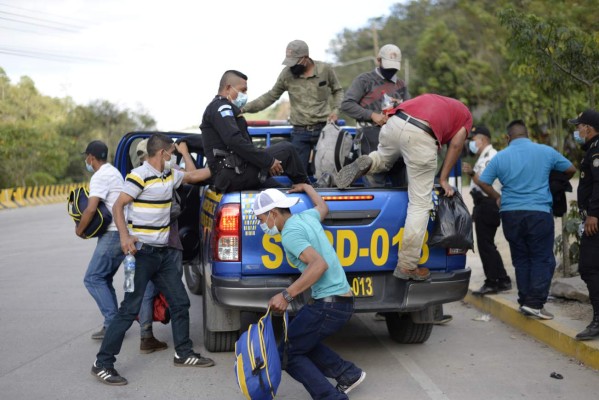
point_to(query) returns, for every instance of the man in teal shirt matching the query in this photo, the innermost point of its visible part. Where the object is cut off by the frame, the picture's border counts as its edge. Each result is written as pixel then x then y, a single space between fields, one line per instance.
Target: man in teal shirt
pixel 307 247
pixel 523 169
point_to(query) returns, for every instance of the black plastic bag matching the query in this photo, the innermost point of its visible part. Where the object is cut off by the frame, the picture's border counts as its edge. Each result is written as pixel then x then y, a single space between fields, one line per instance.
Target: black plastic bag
pixel 454 224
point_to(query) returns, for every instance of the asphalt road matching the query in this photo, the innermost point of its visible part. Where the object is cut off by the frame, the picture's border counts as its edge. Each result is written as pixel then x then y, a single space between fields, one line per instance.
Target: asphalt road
pixel 47 317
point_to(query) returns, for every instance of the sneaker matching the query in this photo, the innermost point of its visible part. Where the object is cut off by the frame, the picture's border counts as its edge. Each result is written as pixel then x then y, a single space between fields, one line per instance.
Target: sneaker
pixel 486 289
pixel 504 286
pixel 193 360
pixel 100 334
pixel 348 388
pixel 417 274
pixel 539 313
pixel 108 376
pixel 150 345
pixel 379 317
pixel 348 174
pixel 443 320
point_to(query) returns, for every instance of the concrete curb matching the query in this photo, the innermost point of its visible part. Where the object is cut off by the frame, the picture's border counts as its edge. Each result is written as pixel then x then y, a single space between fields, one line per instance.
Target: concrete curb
pixel 36 195
pixel 552 333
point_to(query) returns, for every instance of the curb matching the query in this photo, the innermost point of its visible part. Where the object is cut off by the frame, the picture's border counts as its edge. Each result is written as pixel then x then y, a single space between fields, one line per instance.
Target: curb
pixel 552 333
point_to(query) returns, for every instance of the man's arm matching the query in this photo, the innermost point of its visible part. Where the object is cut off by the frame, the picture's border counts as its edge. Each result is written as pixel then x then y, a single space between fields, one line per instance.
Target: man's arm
pixel 337 95
pixel 319 204
pixel 456 144
pixel 87 216
pixel 198 175
pixel 182 148
pixel 316 266
pixel 267 98
pixel 118 216
pixel 570 171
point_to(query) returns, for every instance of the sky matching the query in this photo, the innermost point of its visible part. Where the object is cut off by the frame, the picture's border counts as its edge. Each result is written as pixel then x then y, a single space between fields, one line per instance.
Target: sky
pixel 164 57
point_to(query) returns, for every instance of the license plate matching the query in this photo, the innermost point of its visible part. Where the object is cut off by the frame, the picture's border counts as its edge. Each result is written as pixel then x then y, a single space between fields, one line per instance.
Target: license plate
pixel 362 286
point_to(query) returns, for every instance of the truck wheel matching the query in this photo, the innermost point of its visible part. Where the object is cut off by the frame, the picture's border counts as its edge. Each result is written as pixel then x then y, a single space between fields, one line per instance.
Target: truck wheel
pixel 193 278
pixel 403 330
pixel 215 342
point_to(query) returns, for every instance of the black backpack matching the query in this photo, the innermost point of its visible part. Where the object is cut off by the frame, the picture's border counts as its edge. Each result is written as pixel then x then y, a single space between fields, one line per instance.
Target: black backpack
pixel 77 203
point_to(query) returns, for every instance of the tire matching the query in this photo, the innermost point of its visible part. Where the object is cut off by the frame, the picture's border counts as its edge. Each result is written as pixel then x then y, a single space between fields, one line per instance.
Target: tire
pixel 215 342
pixel 403 330
pixel 193 278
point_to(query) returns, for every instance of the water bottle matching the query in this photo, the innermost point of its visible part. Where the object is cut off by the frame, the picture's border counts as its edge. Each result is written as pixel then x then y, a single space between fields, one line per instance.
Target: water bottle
pixel 388 103
pixel 129 264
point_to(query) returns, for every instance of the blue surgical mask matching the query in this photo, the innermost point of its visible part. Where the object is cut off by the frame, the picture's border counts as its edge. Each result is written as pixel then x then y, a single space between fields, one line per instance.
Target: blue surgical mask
pixel 241 100
pixel 473 147
pixel 89 167
pixel 269 231
pixel 577 137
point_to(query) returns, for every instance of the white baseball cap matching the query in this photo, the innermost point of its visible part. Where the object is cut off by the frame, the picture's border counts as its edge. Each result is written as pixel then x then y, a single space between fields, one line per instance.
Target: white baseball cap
pixel 272 198
pixel 390 56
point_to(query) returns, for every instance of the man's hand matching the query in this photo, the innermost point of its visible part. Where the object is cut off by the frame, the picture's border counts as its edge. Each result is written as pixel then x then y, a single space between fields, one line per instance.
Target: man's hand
pixel 128 244
pixel 449 191
pixel 379 119
pixel 298 188
pixel 182 148
pixel 591 226
pixel 278 303
pixel 276 168
pixel 333 117
pixel 79 232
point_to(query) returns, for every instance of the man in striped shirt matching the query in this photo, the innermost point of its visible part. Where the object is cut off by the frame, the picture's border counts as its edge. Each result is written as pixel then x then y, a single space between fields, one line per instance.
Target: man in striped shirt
pixel 148 192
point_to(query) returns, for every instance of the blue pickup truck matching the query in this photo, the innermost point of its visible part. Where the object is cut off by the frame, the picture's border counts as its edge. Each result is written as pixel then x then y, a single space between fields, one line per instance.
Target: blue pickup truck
pixel 237 268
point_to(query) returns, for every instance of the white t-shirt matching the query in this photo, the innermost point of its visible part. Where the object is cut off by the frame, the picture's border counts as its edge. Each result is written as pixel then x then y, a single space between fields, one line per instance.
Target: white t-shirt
pixel 485 158
pixel 107 184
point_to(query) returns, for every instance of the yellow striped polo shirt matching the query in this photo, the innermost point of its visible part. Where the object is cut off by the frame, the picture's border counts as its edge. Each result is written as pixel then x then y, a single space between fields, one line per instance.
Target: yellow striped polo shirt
pixel 148 216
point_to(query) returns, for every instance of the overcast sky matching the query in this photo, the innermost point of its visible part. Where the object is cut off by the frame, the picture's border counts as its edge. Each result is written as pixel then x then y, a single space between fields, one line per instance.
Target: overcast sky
pixel 165 57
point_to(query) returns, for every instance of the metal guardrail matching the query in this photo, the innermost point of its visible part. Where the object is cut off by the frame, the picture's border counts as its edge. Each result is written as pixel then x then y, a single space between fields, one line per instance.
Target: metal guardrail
pixel 26 196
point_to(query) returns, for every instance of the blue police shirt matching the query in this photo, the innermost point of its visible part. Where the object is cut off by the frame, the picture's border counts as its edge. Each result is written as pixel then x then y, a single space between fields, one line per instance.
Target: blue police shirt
pixel 304 230
pixel 523 169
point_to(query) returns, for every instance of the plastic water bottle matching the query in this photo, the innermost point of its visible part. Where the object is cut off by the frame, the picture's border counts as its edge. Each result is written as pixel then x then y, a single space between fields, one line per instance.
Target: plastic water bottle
pixel 129 264
pixel 388 103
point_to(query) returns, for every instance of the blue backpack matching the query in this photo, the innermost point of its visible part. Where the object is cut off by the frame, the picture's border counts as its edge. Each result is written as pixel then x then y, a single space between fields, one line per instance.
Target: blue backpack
pixel 257 360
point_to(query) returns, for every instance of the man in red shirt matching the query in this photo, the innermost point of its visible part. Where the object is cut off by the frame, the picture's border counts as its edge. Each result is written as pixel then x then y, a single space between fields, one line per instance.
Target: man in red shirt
pixel 415 131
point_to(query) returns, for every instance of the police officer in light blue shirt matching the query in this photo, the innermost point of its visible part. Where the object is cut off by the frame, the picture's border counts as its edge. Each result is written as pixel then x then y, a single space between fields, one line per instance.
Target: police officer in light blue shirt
pixel 307 247
pixel 523 169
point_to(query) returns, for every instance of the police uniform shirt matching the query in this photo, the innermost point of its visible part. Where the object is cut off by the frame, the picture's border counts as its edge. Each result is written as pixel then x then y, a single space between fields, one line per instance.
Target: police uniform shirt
pixel 481 163
pixel 588 187
pixel 223 128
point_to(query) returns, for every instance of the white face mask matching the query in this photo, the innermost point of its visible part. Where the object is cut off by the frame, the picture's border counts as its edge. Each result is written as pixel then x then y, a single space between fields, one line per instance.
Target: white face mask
pixel 269 231
pixel 473 147
pixel 168 164
pixel 89 167
pixel 241 99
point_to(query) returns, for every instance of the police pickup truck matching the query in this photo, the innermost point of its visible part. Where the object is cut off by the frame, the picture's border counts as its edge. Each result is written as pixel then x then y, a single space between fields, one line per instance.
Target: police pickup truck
pixel 237 268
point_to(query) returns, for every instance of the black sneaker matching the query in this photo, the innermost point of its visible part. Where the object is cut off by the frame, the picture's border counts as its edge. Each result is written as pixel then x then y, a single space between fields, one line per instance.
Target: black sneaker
pixel 348 388
pixel 108 376
pixel 193 360
pixel 100 334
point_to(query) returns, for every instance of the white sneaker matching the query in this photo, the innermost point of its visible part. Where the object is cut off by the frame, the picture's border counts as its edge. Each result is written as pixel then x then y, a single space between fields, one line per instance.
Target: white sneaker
pixel 538 313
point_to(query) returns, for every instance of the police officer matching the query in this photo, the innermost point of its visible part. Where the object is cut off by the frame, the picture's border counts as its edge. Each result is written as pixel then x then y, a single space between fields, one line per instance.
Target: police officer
pixel 587 134
pixel 236 163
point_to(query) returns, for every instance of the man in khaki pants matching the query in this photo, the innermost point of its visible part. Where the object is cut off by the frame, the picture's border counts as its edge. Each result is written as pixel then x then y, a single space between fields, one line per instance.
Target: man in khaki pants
pixel 415 131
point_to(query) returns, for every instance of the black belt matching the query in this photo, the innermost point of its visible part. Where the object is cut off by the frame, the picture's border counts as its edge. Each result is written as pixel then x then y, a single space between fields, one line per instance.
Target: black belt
pixel 335 299
pixel 315 127
pixel 416 123
pixel 153 249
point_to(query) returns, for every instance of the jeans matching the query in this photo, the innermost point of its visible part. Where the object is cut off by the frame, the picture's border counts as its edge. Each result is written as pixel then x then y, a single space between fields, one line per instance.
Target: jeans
pixel 103 265
pixel 304 142
pixel 159 265
pixel 146 313
pixel 530 235
pixel 419 150
pixel 308 360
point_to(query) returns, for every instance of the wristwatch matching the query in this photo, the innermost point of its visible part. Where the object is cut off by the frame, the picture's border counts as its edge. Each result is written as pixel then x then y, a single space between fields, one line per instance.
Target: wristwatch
pixel 287 296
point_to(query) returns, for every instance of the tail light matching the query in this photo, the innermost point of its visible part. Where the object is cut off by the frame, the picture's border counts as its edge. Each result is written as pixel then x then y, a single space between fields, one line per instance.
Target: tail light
pixel 227 233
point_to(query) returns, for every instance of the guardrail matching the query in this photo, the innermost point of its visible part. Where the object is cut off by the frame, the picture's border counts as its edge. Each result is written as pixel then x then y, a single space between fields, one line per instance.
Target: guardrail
pixel 35 195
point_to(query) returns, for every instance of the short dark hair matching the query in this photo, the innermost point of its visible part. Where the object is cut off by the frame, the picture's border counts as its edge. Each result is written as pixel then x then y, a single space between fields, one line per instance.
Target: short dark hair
pixel 517 128
pixel 229 77
pixel 157 142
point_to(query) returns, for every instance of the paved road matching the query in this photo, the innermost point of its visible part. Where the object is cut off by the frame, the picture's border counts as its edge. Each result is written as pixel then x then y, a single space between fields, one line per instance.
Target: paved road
pixel 47 316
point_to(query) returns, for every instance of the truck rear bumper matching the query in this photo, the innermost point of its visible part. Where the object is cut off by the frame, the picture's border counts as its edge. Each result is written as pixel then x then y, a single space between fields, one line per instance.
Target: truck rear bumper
pixel 389 293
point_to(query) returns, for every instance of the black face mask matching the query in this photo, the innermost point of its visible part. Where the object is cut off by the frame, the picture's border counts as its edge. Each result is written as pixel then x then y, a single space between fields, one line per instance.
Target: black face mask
pixel 298 69
pixel 388 73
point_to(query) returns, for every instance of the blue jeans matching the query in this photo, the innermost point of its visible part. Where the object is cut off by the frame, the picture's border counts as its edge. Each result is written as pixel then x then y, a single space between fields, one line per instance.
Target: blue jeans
pixel 304 142
pixel 308 360
pixel 146 313
pixel 159 265
pixel 103 265
pixel 530 235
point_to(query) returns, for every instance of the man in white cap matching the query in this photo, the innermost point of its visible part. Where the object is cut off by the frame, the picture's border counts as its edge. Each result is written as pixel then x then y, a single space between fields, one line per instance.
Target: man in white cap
pixel 363 101
pixel 314 96
pixel 309 361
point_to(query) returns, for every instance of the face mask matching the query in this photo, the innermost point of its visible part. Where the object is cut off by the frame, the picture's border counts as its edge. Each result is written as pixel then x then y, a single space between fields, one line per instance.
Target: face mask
pixel 269 231
pixel 388 73
pixel 168 164
pixel 298 69
pixel 89 167
pixel 473 147
pixel 577 137
pixel 241 99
